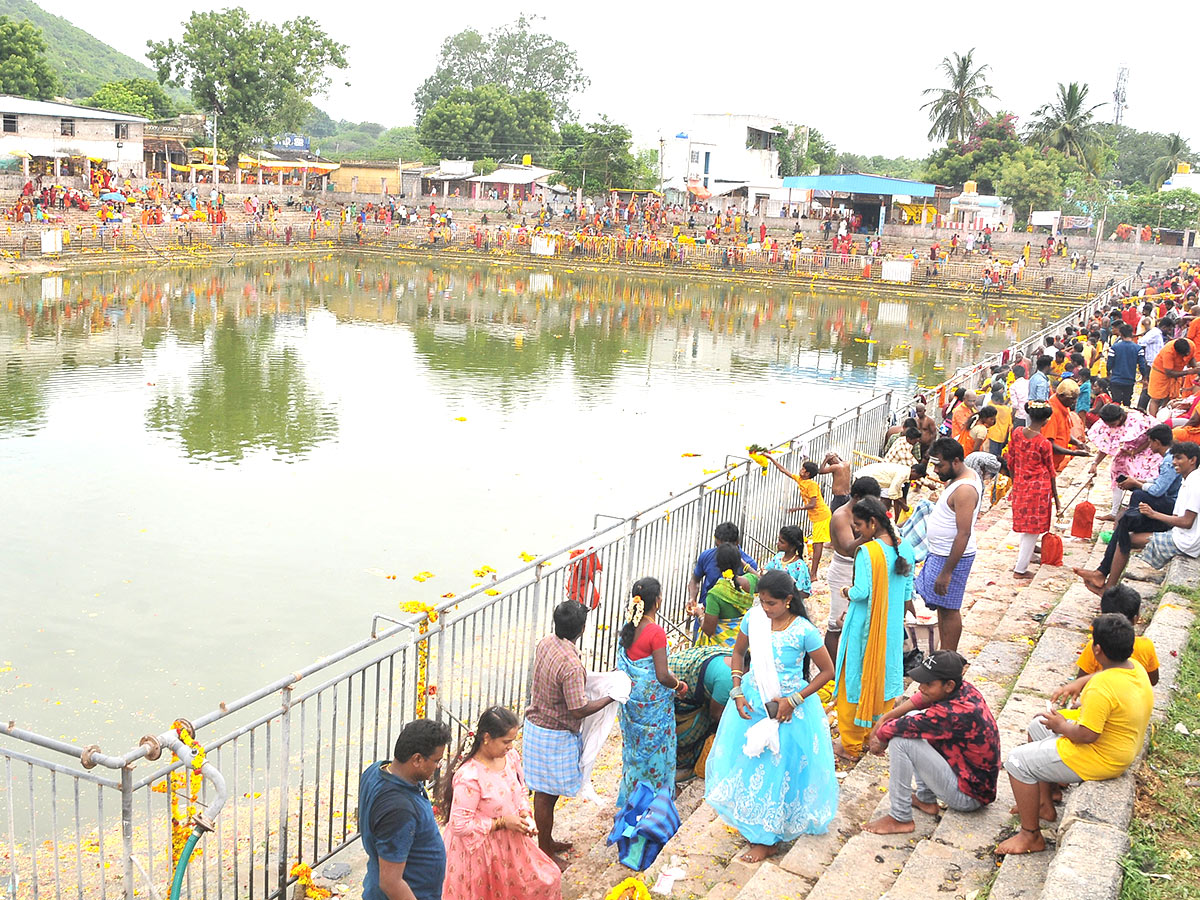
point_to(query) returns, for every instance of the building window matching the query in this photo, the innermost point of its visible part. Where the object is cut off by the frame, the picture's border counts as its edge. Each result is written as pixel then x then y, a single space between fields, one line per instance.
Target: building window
pixel 121 131
pixel 68 127
pixel 695 156
pixel 10 123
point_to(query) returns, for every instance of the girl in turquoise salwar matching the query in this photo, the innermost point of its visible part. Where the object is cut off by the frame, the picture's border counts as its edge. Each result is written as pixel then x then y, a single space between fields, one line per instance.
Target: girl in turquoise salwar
pixel 648 717
pixel 771 774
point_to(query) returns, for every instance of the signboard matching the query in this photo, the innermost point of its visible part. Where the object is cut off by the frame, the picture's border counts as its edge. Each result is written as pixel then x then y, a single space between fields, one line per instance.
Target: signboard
pixel 897 270
pixel 1047 217
pixel 52 241
pixel 1076 222
pixel 541 245
pixel 292 142
pixel 183 127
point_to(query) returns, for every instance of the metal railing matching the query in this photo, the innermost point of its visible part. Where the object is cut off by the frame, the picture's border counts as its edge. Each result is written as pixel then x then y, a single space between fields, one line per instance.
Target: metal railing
pixel 291 752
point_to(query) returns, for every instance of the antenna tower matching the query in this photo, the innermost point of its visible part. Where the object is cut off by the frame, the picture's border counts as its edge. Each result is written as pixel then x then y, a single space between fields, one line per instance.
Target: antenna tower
pixel 1119 104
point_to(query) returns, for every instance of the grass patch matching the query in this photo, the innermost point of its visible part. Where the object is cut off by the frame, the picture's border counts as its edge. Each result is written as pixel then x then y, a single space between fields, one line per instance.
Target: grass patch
pixel 1164 858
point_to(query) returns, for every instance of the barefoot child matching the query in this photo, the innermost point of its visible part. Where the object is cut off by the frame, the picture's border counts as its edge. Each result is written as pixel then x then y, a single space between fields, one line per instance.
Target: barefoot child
pixel 1098 744
pixel 945 737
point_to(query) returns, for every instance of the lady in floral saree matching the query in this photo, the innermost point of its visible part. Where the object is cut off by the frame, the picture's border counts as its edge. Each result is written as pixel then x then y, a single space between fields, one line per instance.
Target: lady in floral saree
pixel 727 600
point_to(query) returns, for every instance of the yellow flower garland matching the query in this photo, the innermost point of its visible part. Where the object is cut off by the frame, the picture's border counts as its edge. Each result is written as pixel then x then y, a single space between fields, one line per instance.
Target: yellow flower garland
pixel 430 615
pixel 303 875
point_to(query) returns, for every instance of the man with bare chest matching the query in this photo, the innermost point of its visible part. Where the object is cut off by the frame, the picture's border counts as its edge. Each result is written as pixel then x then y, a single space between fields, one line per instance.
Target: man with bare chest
pixel 928 429
pixel 840 470
pixel 840 573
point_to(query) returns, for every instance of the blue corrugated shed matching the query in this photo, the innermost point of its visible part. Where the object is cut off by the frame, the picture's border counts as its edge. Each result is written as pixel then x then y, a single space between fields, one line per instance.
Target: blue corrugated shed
pixel 857 183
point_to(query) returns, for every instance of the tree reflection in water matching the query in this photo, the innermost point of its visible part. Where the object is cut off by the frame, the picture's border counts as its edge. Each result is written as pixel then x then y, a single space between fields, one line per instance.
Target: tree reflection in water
pixel 22 400
pixel 251 394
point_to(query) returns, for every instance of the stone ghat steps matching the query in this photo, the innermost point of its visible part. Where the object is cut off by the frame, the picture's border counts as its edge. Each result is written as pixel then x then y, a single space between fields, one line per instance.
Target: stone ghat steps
pixel 1003 617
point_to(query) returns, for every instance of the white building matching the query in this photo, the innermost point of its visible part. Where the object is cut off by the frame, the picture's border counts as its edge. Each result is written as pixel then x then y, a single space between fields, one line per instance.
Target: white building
pixel 57 139
pixel 727 159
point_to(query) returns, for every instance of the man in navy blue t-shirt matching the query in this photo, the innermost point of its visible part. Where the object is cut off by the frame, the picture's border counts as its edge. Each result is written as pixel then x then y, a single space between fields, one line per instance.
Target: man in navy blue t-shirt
pixel 706 574
pixel 406 858
pixel 1124 360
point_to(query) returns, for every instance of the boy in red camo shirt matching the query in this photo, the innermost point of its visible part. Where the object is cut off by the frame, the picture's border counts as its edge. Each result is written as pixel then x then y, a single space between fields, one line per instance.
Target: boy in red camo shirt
pixel 945 737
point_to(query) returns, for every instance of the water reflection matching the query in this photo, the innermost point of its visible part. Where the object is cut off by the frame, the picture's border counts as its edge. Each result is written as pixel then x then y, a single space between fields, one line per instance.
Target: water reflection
pixel 250 393
pixel 22 399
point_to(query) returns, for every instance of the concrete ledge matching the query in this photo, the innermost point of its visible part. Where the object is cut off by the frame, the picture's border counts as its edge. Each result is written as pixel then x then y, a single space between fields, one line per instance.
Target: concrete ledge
pixel 1183 570
pixel 1087 864
pixel 1100 802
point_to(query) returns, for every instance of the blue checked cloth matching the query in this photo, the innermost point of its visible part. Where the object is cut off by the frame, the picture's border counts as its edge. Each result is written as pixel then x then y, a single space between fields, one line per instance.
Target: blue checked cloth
pixel 915 528
pixel 551 760
pixel 928 575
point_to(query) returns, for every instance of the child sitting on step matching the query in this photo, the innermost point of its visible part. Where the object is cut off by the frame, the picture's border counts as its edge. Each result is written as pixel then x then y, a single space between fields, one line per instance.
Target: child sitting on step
pixel 1094 743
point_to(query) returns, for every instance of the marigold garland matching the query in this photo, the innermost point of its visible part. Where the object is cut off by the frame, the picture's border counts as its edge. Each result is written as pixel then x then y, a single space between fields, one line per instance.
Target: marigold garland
pixel 302 872
pixel 184 780
pixel 429 614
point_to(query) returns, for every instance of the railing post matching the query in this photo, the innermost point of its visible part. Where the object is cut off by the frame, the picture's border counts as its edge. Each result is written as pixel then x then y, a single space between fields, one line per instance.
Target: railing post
pixel 126 830
pixel 285 752
pixel 629 548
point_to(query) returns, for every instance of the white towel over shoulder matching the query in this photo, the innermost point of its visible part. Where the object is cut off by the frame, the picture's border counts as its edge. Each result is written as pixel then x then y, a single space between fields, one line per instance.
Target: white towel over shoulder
pixel 597 727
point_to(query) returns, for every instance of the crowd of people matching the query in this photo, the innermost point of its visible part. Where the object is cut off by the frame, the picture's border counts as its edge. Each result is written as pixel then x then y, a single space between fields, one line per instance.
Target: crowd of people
pixel 765 704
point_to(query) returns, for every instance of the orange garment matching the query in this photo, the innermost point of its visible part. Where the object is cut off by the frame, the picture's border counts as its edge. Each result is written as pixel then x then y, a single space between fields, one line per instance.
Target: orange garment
pixel 1186 433
pixel 1193 332
pixel 1163 386
pixel 958 420
pixel 1058 431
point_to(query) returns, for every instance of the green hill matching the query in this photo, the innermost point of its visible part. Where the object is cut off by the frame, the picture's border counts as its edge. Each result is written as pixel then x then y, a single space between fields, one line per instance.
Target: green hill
pixel 81 62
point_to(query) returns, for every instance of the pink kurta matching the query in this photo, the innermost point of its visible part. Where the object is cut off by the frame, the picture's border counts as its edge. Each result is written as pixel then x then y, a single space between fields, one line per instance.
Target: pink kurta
pixel 1121 441
pixel 482 864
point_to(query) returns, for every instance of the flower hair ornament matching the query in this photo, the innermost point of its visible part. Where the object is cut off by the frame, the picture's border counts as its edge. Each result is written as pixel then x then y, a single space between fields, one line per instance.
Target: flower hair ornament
pixel 636 608
pixel 728 573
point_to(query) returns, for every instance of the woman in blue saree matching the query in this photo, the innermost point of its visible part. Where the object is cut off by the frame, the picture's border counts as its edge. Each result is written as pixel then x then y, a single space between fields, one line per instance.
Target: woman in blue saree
pixel 771 773
pixel 648 718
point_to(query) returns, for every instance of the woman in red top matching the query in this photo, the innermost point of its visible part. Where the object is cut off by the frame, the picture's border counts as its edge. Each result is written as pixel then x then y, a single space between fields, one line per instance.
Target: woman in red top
pixel 648 718
pixel 1031 464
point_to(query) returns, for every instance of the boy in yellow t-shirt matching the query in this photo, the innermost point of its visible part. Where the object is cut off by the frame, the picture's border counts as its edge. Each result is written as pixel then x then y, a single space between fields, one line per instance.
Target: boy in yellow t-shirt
pixel 1120 598
pixel 1098 744
pixel 813 502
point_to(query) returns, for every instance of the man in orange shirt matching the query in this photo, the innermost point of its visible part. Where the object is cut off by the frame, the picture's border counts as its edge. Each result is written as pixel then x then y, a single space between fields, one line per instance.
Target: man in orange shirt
pixel 1174 362
pixel 962 414
pixel 1058 429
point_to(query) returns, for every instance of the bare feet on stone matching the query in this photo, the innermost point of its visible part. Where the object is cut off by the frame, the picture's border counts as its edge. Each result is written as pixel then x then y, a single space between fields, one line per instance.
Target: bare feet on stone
pixel 758 852
pixel 931 809
pixel 1024 841
pixel 888 825
pixel 1045 813
pixel 1093 580
pixel 841 753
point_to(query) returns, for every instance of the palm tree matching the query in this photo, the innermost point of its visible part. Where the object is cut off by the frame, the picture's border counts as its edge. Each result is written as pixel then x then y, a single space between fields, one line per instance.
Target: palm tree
pixel 1067 125
pixel 1175 152
pixel 954 110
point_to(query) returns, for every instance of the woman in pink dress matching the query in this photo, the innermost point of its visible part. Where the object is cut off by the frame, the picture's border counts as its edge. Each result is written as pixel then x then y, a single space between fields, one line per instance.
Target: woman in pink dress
pixel 1121 434
pixel 491 846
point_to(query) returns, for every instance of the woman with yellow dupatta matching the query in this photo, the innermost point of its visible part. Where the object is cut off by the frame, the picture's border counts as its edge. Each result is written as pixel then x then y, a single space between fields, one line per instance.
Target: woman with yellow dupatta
pixel 726 601
pixel 870 661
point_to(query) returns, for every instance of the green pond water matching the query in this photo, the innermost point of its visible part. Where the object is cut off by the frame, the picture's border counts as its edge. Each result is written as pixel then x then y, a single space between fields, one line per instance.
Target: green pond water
pixel 208 473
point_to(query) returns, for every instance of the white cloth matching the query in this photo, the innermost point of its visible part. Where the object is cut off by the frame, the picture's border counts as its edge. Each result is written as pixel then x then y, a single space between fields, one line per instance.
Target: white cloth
pixel 943 526
pixel 595 729
pixel 763 734
pixel 1188 539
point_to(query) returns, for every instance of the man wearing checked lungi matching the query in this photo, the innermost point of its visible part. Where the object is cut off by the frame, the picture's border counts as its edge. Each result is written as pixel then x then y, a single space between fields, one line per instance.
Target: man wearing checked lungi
pixel 551 744
pixel 950 538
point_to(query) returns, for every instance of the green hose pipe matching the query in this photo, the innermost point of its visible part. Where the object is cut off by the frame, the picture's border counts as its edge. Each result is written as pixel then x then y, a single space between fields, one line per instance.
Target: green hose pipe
pixel 192 841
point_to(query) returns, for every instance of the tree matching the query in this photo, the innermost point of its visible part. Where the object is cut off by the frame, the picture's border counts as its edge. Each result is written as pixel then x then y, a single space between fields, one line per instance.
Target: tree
pixel 600 157
pixel 1067 125
pixel 1174 152
pixel 978 157
pixel 801 150
pixel 135 96
pixel 954 110
pixel 489 121
pixel 24 71
pixel 1029 180
pixel 513 57
pixel 318 124
pixel 258 76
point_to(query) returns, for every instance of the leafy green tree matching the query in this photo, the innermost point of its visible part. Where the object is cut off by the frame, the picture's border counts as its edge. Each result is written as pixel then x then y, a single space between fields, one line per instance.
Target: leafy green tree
pixel 645 169
pixel 399 143
pixel 135 96
pixel 955 109
pixel 489 121
pixel 1175 152
pixel 977 158
pixel 258 76
pixel 1068 125
pixel 318 124
pixel 1029 180
pixel 1176 209
pixel 24 71
pixel 801 150
pixel 512 57
pixel 600 156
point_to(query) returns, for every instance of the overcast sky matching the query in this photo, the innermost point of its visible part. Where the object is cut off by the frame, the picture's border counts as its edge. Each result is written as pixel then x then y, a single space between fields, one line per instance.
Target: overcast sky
pixel 855 71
